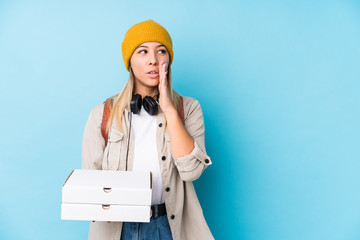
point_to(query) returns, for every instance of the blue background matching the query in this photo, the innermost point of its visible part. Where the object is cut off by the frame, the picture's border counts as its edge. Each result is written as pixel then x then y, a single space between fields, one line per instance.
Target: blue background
pixel 278 82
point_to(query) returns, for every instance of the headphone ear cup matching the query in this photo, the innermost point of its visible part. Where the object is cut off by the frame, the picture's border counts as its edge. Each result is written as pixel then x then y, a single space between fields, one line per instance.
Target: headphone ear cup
pixel 150 105
pixel 135 104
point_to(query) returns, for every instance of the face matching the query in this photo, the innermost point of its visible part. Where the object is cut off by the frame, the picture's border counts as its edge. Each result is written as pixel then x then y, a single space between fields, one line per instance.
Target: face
pixel 145 63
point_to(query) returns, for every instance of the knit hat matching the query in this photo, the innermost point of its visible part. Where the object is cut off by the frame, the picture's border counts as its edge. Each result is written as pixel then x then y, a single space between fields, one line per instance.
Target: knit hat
pixel 146 31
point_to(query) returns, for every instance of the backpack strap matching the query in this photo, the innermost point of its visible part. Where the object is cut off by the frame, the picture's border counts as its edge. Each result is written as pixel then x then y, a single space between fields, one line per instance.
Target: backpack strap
pixel 105 119
pixel 181 110
pixel 107 110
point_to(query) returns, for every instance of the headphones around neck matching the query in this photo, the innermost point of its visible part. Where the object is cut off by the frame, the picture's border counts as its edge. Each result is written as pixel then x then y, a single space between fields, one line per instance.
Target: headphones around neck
pixel 149 103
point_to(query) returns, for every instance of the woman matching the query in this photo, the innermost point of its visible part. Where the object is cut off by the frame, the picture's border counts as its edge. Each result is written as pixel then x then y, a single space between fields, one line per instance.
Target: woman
pixel 169 140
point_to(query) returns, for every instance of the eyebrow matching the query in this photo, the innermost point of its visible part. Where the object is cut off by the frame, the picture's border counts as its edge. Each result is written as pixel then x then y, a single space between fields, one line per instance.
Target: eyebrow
pixel 161 45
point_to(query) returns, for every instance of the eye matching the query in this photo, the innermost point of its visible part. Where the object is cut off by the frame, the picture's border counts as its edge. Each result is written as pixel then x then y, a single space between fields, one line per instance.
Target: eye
pixel 142 51
pixel 162 51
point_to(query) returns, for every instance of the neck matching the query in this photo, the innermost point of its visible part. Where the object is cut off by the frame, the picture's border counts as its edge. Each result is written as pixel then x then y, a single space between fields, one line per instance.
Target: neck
pixel 143 91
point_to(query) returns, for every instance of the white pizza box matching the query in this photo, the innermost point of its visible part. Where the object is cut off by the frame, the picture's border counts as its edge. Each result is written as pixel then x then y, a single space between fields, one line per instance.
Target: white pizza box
pixel 108 187
pixel 98 212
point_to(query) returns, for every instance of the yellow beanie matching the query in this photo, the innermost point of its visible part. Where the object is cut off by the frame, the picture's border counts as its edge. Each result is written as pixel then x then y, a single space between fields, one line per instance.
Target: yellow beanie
pixel 146 31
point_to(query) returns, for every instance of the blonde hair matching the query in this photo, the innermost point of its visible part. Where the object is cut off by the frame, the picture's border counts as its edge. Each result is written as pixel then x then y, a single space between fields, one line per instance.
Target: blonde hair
pixel 121 100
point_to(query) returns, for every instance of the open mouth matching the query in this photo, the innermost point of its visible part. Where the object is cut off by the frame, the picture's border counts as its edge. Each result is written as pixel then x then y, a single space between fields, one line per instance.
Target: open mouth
pixel 153 74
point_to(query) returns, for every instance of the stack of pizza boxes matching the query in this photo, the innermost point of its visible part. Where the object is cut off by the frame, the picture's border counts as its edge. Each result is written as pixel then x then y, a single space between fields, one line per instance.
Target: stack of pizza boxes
pixel 116 196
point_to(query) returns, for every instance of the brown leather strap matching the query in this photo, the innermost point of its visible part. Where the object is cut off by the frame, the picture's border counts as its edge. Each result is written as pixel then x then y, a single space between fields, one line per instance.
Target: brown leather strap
pixel 105 119
pixel 181 110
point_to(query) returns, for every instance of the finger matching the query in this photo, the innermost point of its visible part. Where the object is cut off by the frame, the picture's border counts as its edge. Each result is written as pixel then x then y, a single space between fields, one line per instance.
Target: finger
pixel 161 79
pixel 165 67
pixel 163 73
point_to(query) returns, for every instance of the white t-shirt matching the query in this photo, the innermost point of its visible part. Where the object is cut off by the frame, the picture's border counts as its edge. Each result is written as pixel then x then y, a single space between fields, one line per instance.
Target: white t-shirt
pixel 145 152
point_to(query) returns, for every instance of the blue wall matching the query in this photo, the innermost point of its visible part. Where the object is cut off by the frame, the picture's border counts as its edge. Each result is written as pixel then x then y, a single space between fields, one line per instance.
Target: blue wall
pixel 279 86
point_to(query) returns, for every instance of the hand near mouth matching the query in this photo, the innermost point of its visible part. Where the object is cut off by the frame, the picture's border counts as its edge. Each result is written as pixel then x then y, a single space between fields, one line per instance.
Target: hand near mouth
pixel 164 100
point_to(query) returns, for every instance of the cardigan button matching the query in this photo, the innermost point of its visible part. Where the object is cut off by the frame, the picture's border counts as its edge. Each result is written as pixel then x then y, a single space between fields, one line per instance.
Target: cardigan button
pixel 207 161
pixel 172 216
pixel 163 158
pixel 167 189
pixel 160 125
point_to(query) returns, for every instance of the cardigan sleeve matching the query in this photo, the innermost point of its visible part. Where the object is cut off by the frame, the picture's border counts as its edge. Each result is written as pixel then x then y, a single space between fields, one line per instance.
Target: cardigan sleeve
pixel 93 142
pixel 191 166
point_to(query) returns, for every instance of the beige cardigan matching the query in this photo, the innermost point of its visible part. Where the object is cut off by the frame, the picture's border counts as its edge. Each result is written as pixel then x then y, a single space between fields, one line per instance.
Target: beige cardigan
pixel 184 212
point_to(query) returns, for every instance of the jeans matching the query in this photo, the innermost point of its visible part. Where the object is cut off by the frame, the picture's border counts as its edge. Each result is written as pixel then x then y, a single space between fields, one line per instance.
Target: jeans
pixel 157 229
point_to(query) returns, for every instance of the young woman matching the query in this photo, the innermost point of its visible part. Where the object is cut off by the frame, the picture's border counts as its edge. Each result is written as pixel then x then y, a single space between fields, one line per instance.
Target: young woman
pixel 166 136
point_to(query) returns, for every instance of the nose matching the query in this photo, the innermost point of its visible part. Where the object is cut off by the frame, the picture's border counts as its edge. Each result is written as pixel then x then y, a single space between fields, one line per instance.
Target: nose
pixel 153 59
